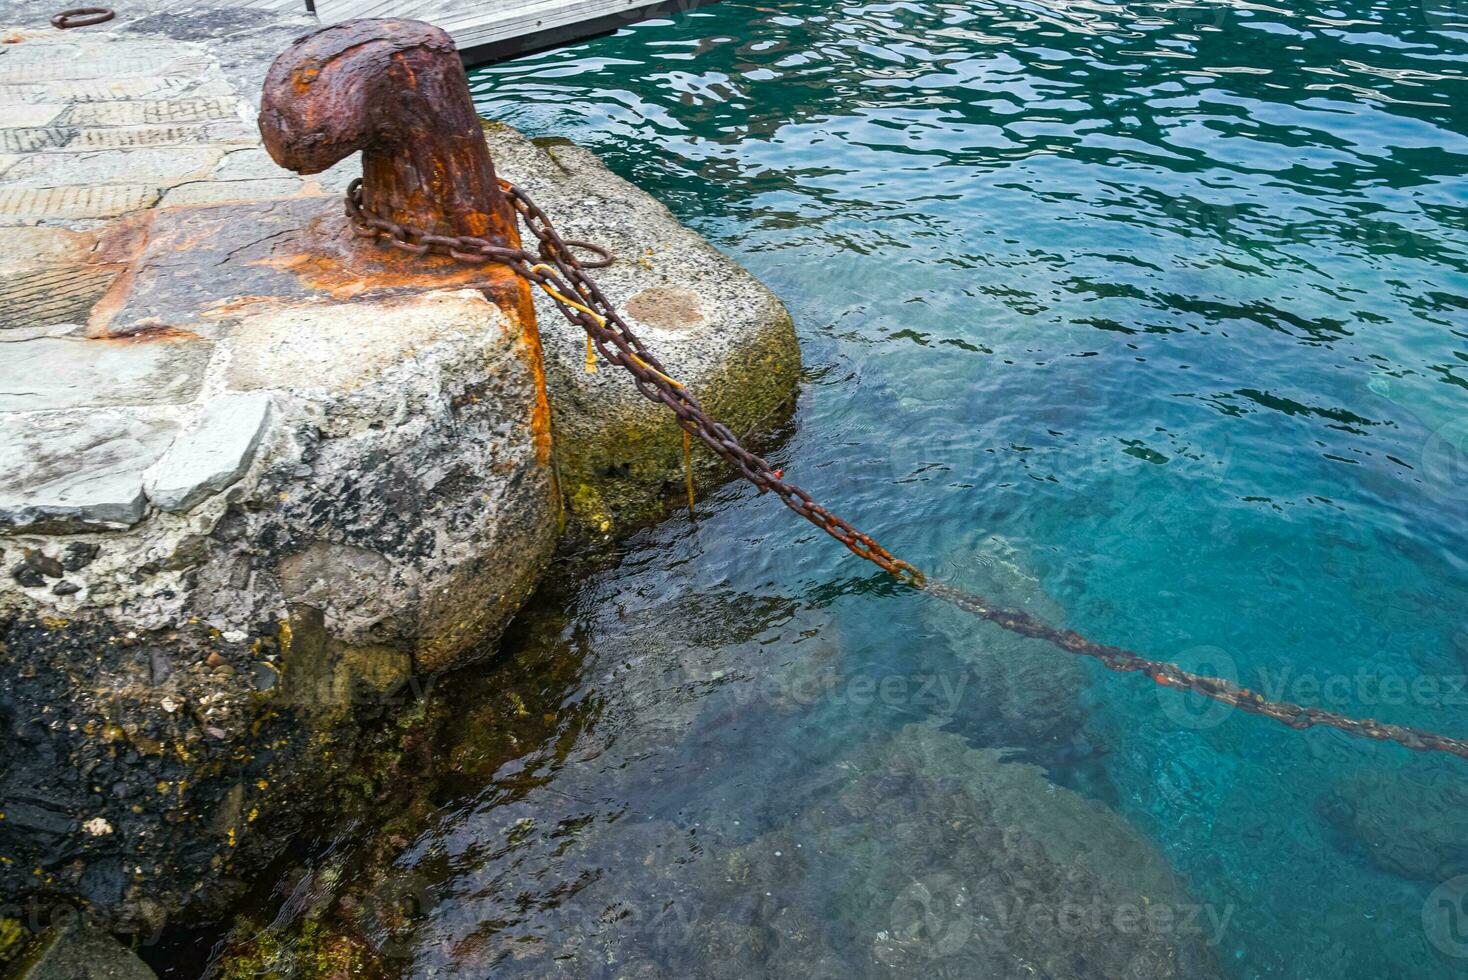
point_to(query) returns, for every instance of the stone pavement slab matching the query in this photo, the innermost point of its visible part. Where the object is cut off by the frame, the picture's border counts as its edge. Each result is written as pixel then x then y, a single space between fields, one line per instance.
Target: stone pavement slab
pixel 50 296
pixel 30 205
pixel 69 472
pixel 51 373
pixel 159 166
pixel 212 454
pixel 31 115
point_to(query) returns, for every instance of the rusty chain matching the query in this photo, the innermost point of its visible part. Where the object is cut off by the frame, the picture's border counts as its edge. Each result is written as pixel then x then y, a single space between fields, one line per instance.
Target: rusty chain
pixel 555 268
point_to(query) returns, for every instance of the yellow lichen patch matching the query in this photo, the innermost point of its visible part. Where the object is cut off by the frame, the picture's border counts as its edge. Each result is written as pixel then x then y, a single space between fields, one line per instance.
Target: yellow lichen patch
pixel 12 938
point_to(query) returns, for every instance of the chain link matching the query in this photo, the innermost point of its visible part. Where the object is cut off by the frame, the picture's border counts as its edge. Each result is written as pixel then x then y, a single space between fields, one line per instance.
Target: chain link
pixel 556 269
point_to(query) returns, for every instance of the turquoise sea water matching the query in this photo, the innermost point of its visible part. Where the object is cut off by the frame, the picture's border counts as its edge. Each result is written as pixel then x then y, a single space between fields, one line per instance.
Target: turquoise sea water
pixel 1151 317
pixel 1164 305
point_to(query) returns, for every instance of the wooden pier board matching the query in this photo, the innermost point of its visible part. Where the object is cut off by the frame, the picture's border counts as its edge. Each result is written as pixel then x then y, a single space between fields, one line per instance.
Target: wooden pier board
pixel 487 30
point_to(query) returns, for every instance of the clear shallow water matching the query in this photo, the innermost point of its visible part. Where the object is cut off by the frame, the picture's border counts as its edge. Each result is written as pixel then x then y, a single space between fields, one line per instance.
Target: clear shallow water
pixel 1161 308
pixel 1150 317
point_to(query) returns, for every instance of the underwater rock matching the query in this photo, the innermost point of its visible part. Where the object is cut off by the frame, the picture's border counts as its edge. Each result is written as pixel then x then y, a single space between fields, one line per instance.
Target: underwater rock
pixel 1410 825
pixel 75 950
pixel 541 841
pixel 1023 693
pixel 917 856
pixel 716 329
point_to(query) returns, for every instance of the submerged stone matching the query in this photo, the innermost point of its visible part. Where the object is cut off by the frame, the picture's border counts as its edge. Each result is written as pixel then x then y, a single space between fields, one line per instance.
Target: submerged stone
pixel 76 950
pixel 1412 826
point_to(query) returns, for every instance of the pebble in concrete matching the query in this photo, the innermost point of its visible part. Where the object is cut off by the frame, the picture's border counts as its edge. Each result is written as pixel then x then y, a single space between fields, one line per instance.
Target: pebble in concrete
pixel 212 454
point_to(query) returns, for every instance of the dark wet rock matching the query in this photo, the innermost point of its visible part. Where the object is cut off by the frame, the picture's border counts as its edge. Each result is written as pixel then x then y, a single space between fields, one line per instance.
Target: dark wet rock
pixel 28 576
pixel 1020 692
pixel 1408 823
pixel 78 555
pixel 76 950
pixel 65 588
pixel 44 563
pixel 35 568
pixel 904 853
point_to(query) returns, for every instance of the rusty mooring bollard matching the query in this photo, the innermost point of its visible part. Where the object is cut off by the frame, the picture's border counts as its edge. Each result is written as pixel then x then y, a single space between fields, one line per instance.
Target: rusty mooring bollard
pixel 394 89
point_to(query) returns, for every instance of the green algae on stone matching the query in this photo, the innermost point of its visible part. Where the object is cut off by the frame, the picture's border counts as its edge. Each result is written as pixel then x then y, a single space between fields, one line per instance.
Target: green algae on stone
pixel 712 325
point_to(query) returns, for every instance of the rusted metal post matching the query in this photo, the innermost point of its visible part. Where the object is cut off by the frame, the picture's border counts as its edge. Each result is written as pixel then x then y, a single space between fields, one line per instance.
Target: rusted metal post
pixel 395 90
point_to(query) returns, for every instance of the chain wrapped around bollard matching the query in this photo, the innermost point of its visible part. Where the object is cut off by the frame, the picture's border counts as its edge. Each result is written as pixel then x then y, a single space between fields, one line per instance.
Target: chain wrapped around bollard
pixel 556 270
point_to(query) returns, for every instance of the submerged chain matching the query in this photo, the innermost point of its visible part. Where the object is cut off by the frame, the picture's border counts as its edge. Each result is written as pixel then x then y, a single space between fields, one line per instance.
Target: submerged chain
pixel 555 269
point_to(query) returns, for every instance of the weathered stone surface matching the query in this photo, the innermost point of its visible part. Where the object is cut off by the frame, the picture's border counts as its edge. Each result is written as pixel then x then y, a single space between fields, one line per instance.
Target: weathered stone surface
pixel 128 137
pixel 301 346
pixel 60 294
pixel 398 511
pixel 348 584
pixel 159 166
pixel 715 328
pixel 66 372
pixel 152 113
pixel 211 453
pixel 75 471
pixel 31 115
pixel 35 138
pixel 205 267
pixel 105 201
pixel 248 164
pixel 36 248
pixel 35 66
pixel 214 191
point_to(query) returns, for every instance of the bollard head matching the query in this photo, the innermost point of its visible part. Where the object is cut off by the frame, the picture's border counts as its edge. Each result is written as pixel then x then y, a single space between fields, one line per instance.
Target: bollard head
pixel 335 91
pixel 395 91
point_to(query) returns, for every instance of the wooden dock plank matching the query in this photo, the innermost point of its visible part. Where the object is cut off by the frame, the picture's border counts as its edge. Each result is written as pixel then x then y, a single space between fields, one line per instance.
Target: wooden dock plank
pixel 489 29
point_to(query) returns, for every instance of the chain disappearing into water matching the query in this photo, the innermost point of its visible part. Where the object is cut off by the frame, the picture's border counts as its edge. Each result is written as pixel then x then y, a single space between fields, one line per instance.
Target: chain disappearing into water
pixel 557 271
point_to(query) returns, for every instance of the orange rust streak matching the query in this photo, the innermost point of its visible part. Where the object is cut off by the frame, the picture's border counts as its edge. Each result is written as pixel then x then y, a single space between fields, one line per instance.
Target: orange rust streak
pixel 368 267
pixel 123 246
pixel 519 306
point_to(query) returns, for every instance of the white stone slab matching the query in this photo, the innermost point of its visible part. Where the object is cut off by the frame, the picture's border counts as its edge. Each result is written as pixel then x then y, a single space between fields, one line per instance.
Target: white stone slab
pixel 160 166
pixel 77 471
pixel 212 454
pixel 54 373
pixel 25 116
